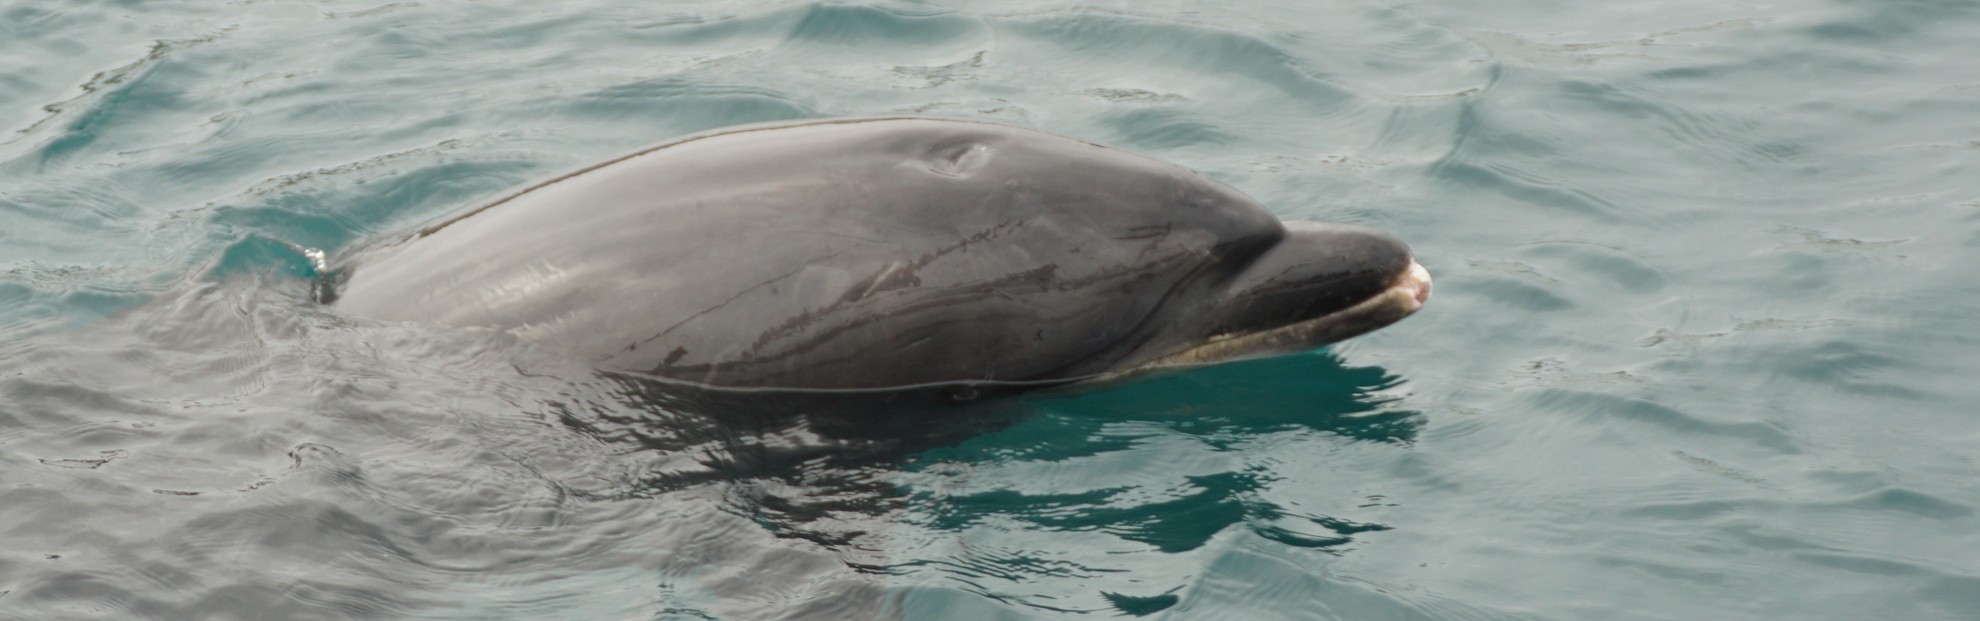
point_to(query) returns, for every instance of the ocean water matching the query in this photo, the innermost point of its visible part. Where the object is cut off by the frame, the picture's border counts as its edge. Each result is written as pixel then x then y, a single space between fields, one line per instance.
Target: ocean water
pixel 1704 343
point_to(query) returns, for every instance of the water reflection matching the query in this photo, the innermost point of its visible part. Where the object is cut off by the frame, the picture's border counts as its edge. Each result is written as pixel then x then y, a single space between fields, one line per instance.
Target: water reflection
pixel 908 488
pixel 1223 403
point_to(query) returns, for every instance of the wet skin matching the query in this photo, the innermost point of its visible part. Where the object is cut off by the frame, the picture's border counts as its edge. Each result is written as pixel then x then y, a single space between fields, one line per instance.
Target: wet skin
pixel 881 253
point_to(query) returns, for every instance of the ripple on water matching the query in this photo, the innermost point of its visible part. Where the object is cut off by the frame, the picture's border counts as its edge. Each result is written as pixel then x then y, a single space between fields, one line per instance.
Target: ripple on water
pixel 690 105
pixel 1153 128
pixel 127 100
pixel 1699 349
pixel 1104 41
pixel 1611 407
pixel 842 25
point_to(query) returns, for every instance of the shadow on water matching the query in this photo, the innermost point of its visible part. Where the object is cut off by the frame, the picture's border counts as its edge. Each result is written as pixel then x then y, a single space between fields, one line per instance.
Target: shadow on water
pixel 833 472
pixel 784 459
pixel 1314 391
pixel 1219 409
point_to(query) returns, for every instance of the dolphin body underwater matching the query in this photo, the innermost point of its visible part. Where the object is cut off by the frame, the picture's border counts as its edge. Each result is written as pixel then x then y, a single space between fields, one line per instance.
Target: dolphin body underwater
pixel 884 255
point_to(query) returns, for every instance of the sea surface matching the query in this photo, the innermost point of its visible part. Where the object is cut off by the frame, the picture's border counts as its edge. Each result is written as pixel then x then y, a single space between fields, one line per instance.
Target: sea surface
pixel 1705 342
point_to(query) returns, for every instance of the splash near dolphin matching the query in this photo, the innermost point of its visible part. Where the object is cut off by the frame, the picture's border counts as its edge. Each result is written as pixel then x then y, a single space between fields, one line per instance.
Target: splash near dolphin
pixel 874 254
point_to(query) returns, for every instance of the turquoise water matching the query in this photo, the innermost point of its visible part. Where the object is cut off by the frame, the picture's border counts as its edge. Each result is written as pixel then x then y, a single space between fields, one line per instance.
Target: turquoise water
pixel 1703 344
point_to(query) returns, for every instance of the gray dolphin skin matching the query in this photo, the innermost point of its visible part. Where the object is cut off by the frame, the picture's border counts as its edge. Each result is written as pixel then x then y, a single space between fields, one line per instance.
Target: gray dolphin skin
pixel 882 253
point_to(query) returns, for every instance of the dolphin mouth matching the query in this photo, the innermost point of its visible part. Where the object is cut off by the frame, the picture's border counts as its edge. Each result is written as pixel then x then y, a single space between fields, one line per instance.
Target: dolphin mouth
pixel 1404 296
pixel 1416 282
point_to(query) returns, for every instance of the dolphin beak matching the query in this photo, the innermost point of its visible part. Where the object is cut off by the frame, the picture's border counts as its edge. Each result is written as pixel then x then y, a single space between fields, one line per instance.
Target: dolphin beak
pixel 1415 283
pixel 1322 284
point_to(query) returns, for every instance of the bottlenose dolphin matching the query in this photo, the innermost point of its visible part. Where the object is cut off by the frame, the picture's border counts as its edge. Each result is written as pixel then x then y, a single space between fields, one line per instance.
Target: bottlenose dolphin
pixel 888 253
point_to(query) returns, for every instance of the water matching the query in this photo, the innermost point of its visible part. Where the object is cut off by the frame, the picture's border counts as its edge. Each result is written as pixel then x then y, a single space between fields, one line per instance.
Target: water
pixel 1702 345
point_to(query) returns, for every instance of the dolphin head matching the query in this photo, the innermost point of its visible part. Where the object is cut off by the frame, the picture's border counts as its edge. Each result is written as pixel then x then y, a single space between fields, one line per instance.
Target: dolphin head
pixel 1321 283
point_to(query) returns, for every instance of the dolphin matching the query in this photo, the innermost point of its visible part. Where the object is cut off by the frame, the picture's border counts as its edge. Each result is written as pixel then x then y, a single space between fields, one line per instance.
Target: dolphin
pixel 876 254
